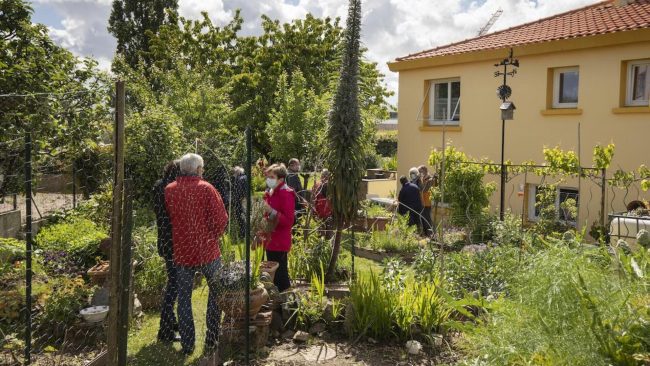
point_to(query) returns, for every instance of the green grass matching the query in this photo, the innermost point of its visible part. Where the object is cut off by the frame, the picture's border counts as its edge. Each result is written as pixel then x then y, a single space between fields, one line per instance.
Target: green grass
pixel 143 349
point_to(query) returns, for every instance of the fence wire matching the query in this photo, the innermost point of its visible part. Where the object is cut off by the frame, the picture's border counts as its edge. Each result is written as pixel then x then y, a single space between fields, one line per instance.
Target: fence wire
pixel 55 165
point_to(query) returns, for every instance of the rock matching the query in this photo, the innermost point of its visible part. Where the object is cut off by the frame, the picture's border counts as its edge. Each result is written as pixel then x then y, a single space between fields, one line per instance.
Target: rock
pixel 348 324
pixel 372 340
pixel 437 340
pixel 317 329
pixel 288 334
pixel 474 248
pixel 413 347
pixel 301 336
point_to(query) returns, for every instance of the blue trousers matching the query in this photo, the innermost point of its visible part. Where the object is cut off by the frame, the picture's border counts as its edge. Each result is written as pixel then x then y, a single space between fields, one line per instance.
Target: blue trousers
pixel 185 318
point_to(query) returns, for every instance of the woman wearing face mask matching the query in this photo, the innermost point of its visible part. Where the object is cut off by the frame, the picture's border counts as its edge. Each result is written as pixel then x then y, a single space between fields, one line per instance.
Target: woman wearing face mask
pixel 279 207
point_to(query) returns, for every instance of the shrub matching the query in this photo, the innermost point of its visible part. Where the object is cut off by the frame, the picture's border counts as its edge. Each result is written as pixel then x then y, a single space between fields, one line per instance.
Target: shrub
pixel 398 237
pixel 508 231
pixel 307 257
pixel 390 163
pixel 68 297
pixel 488 272
pixel 150 274
pixel 80 238
pixel 371 160
pixel 465 191
pixel 11 250
pixel 566 308
pixel 386 144
pixel 153 139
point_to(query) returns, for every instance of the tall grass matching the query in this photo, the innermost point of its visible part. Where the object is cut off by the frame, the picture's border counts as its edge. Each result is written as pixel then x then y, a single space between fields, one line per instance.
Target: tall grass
pixel 566 307
pixel 385 312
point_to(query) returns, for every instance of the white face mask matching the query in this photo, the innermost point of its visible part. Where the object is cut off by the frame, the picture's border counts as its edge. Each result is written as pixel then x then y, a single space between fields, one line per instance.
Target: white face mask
pixel 271 182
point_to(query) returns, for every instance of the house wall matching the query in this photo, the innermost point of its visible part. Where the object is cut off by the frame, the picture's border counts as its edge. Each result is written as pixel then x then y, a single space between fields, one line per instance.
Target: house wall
pixel 479 134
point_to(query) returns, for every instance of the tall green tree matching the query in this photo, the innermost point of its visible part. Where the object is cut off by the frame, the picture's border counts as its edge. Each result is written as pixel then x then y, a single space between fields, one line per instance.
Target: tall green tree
pixel 298 123
pixel 251 66
pixel 345 135
pixel 133 22
pixel 60 99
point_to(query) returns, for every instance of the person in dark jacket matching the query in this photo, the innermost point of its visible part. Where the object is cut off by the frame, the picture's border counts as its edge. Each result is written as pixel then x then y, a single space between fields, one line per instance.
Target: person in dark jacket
pixel 168 323
pixel 239 184
pixel 410 202
pixel 293 181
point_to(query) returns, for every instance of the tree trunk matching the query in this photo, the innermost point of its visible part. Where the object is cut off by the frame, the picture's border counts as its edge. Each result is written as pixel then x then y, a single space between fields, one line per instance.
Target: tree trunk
pixel 336 248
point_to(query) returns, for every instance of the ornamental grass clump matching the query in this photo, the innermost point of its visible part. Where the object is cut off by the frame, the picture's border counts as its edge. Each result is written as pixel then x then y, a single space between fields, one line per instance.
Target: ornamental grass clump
pixel 395 307
pixel 565 308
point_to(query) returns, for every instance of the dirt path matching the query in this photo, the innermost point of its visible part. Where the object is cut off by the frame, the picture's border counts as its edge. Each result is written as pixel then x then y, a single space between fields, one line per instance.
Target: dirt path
pixel 331 353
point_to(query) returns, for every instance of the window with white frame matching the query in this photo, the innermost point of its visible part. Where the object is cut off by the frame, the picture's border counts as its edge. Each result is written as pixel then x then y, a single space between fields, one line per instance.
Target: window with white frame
pixel 444 101
pixel 638 83
pixel 565 87
pixel 566 201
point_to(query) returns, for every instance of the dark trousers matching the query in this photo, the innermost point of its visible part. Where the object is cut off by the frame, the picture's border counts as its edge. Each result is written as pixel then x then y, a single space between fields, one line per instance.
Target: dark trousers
pixel 281 280
pixel 427 223
pixel 238 212
pixel 168 323
pixel 213 314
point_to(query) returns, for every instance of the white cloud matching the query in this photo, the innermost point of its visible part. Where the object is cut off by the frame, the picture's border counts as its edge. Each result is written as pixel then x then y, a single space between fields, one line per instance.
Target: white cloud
pixel 391 28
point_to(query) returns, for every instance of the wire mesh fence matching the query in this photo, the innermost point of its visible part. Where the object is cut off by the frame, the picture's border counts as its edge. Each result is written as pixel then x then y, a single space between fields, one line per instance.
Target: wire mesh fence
pixel 55 153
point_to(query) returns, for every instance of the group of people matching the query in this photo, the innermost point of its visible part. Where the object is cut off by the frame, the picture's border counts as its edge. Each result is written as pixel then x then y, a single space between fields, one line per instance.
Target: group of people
pixel 191 217
pixel 414 199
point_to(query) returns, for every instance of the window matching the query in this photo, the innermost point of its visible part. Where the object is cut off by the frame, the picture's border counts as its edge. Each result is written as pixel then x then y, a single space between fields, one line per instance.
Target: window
pixel 566 202
pixel 444 101
pixel 638 83
pixel 565 87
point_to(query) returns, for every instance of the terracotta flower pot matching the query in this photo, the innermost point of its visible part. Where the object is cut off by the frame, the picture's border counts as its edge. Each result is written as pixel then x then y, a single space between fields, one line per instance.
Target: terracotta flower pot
pixel 233 305
pixel 99 273
pixel 269 267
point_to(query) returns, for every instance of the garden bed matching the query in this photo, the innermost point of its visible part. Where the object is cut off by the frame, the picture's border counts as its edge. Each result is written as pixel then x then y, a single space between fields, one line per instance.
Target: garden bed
pixel 380 256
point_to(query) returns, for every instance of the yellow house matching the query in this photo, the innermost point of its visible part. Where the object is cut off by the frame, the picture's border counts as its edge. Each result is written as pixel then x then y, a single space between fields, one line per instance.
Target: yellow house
pixel 587 67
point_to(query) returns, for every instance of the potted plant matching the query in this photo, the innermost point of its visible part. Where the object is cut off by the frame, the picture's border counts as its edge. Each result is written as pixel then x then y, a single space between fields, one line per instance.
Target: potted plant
pixel 233 283
pixel 99 273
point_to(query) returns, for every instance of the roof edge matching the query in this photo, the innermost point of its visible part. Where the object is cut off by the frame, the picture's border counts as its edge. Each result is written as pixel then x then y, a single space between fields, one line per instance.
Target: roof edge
pixel 600 3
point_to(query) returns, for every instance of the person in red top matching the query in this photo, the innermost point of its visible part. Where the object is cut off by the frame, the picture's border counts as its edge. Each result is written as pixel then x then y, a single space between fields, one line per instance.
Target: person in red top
pixel 321 204
pixel 198 217
pixel 280 202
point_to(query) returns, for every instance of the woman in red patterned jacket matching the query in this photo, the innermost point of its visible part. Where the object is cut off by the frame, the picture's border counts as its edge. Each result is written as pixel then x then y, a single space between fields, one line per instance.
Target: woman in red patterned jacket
pixel 280 200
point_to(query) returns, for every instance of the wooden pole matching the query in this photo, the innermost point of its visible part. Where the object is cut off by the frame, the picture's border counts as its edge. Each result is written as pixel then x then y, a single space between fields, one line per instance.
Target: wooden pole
pixel 116 224
pixel 125 309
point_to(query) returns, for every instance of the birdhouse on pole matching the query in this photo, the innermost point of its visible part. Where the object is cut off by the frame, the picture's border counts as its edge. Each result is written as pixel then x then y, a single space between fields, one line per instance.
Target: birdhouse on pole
pixel 507 110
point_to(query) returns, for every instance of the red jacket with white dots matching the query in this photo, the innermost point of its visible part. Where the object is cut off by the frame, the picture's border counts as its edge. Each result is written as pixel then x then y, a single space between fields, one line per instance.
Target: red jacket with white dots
pixel 198 218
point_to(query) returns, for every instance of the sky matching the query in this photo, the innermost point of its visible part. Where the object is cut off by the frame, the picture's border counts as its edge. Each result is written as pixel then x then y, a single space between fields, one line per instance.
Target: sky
pixel 390 29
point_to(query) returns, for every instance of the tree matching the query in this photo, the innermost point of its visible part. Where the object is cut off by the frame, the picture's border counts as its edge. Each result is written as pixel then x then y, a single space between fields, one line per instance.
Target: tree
pixel 133 23
pixel 297 125
pixel 61 99
pixel 251 66
pixel 345 135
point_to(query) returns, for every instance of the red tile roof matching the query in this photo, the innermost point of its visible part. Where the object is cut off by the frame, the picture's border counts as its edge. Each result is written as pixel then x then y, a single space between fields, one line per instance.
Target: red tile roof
pixel 600 18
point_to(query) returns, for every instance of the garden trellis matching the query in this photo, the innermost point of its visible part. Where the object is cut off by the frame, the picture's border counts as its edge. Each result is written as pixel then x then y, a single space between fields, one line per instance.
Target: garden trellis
pixel 468 189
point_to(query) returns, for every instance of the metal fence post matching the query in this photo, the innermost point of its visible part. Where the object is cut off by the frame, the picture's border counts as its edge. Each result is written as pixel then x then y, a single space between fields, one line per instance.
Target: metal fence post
pixel 249 163
pixel 116 226
pixel 28 248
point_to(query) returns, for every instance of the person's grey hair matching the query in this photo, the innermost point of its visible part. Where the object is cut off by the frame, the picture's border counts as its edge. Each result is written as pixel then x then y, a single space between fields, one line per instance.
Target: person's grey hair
pixel 237 171
pixel 414 170
pixel 190 163
pixel 325 173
